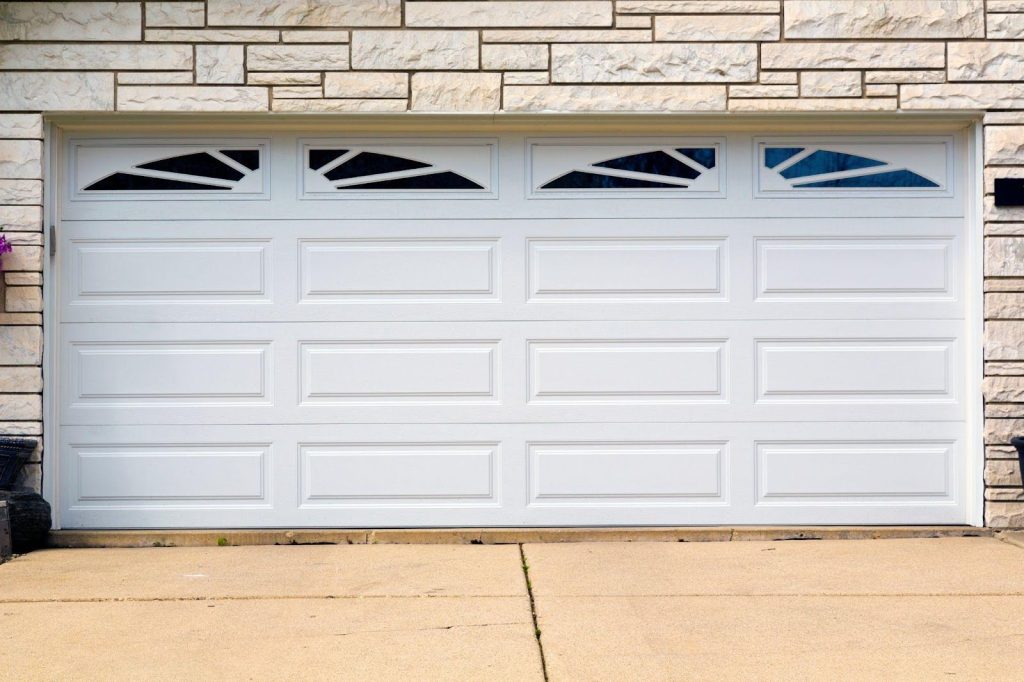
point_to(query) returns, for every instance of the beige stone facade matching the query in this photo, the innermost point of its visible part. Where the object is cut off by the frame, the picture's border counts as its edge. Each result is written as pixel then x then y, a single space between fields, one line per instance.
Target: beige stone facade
pixel 517 56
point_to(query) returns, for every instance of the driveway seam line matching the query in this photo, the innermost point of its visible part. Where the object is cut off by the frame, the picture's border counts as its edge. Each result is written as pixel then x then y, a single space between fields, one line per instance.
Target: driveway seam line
pixel 533 612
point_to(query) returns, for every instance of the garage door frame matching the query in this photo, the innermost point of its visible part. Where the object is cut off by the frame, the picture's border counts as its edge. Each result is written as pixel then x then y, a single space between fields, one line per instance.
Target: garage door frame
pixel 57 126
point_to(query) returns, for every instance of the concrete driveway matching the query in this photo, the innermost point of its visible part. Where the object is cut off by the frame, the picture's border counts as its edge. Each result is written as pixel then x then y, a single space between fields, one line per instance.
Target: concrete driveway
pixel 873 609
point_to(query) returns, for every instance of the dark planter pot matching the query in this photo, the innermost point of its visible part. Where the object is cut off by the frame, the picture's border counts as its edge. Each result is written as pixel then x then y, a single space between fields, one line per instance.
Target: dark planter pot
pixel 14 452
pixel 1018 442
pixel 29 516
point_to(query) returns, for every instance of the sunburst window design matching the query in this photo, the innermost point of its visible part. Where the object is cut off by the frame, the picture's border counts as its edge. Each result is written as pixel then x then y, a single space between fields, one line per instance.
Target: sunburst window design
pixel 822 168
pixel 214 170
pixel 667 168
pixel 361 169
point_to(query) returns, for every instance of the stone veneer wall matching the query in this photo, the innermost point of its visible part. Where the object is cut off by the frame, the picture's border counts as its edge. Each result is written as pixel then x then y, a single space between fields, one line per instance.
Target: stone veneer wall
pixel 517 56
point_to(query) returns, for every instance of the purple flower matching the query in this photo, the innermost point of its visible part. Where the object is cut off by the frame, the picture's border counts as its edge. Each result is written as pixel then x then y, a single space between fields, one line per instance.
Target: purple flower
pixel 5 247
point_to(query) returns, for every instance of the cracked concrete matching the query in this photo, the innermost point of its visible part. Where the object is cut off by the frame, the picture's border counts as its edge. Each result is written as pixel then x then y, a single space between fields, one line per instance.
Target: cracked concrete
pixel 880 609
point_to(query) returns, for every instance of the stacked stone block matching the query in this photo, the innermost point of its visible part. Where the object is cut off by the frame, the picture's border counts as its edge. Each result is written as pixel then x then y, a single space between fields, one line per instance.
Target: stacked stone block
pixel 518 56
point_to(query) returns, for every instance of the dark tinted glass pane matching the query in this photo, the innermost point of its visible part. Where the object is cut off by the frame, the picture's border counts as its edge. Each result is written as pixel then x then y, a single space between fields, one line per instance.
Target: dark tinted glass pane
pixel 195 164
pixel 773 156
pixel 656 163
pixel 250 158
pixel 318 158
pixel 705 156
pixel 827 162
pixel 126 181
pixel 900 178
pixel 445 180
pixel 582 180
pixel 370 163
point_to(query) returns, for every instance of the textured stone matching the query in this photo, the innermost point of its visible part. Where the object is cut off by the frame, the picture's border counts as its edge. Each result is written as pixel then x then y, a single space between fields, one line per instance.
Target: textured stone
pixel 633 21
pixel 853 56
pixel 297 57
pixel 15 406
pixel 1005 494
pixel 28 258
pixel 814 104
pixel 1005 6
pixel 154 78
pixel 993 172
pixel 882 90
pixel 304 12
pixel 1000 229
pixel 21 192
pixel 986 61
pixel 85 56
pixel 464 92
pixel 21 218
pixel 763 90
pixel 1004 515
pixel 1004 340
pixel 1005 26
pixel 963 96
pixel 698 6
pixel 191 98
pixel 568 36
pixel 21 428
pixel 175 14
pixel 1004 389
pixel 21 159
pixel 22 126
pixel 1007 369
pixel 297 92
pixel 778 77
pixel 1000 431
pixel 284 78
pixel 919 76
pixel 830 84
pixel 1004 257
pixel 224 64
pixel 713 28
pixel 1004 144
pixel 424 50
pixel 525 77
pixel 108 21
pixel 903 19
pixel 316 36
pixel 23 299
pixel 662 98
pixel 23 278
pixel 1004 284
pixel 526 13
pixel 499 57
pixel 21 379
pixel 336 105
pixel 21 345
pixel 206 35
pixel 57 91
pixel 685 63
pixel 366 85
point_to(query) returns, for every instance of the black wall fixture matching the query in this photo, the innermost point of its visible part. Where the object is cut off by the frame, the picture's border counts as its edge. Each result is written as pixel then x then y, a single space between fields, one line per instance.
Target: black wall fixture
pixel 1009 191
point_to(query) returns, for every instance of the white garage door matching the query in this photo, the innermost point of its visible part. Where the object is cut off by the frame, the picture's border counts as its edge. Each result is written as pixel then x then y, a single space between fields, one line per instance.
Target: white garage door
pixel 498 330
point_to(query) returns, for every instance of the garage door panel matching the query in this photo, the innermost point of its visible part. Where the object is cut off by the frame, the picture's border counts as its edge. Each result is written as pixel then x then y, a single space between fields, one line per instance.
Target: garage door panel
pixel 359 475
pixel 411 372
pixel 555 269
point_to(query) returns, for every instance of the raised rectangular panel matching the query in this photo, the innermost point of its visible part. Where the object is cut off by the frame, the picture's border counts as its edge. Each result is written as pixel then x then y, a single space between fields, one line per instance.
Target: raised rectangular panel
pixel 640 472
pixel 849 268
pixel 801 470
pixel 396 270
pixel 138 373
pixel 403 473
pixel 399 372
pixel 167 270
pixel 856 370
pixel 626 268
pixel 613 371
pixel 149 475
